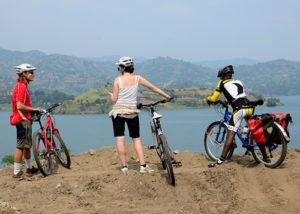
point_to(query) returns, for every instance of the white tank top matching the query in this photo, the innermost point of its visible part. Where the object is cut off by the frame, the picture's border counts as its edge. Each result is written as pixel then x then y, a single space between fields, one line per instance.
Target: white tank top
pixel 128 94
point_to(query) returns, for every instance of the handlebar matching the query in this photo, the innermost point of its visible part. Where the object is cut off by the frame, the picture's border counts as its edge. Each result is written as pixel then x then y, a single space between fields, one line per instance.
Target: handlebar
pixel 223 103
pixel 36 116
pixel 50 109
pixel 141 105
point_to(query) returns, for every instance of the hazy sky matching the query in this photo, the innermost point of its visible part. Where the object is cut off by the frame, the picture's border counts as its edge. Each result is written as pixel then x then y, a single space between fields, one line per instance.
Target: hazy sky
pixel 192 30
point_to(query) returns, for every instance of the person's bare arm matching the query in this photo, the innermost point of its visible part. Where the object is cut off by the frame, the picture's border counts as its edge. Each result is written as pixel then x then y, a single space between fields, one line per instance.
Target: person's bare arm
pixel 114 94
pixel 153 88
pixel 22 107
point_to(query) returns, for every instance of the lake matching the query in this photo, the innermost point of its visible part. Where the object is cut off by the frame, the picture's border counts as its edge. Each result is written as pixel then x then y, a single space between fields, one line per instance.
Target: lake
pixel 184 129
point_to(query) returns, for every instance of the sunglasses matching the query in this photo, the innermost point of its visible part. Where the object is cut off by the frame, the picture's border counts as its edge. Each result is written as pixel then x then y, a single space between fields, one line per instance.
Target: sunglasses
pixel 31 72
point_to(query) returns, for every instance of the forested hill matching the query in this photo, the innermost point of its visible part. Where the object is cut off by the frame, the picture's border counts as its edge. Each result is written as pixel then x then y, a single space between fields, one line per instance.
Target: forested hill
pixel 74 76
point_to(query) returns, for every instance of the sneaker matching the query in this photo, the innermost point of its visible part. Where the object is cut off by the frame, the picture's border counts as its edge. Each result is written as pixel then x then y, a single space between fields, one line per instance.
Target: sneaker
pixel 31 171
pixel 267 160
pixel 145 169
pixel 18 175
pixel 124 169
pixel 219 162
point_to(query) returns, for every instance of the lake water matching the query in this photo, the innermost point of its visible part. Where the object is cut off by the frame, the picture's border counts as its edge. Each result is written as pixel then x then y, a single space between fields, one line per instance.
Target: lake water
pixel 184 129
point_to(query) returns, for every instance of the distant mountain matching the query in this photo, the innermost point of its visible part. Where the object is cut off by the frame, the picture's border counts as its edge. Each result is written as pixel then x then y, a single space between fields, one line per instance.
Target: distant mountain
pixel 74 75
pixel 274 78
pixel 114 58
pixel 220 63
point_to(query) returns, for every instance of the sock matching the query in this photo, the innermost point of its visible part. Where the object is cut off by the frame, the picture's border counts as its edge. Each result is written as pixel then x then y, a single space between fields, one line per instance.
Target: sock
pixel 28 163
pixel 144 165
pixel 17 168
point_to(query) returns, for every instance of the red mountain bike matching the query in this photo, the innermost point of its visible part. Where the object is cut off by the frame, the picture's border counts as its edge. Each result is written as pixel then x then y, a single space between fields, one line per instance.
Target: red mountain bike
pixel 49 149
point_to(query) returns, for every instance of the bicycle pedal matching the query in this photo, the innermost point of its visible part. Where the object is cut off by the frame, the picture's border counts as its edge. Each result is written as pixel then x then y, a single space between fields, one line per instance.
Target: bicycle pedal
pixel 151 147
pixel 177 163
pixel 247 152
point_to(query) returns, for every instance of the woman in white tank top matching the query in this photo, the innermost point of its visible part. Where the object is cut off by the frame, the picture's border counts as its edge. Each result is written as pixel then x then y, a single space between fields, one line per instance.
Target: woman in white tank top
pixel 124 97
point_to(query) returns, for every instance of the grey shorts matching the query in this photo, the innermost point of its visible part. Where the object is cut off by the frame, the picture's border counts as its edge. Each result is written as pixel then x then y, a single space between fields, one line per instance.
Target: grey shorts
pixel 24 134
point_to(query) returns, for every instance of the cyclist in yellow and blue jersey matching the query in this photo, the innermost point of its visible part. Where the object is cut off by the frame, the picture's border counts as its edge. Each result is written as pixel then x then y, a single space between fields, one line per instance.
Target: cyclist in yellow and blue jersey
pixel 234 93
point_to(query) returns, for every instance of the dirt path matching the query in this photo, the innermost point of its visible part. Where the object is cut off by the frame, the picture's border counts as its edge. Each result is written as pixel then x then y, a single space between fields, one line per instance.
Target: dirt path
pixel 95 185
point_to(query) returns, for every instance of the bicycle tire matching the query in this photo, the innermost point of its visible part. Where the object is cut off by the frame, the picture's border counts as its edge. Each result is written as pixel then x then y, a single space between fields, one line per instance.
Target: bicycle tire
pixel 214 147
pixel 62 152
pixel 275 151
pixel 167 159
pixel 41 156
pixel 159 151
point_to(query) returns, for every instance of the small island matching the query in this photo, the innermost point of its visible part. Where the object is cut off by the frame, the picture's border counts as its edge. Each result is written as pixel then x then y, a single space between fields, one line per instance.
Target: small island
pixel 270 102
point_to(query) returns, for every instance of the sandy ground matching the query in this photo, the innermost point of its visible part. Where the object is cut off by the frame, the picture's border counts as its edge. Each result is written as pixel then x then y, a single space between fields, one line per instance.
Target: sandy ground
pixel 94 184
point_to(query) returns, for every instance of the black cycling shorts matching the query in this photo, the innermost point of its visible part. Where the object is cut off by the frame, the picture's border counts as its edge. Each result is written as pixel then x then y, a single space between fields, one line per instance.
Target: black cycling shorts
pixel 132 124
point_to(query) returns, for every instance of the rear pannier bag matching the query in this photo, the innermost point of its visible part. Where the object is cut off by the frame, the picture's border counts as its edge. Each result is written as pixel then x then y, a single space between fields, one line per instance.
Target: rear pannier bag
pixel 261 127
pixel 282 119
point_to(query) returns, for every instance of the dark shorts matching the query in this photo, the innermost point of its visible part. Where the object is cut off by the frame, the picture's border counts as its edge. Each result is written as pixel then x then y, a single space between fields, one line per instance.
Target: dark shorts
pixel 132 124
pixel 24 134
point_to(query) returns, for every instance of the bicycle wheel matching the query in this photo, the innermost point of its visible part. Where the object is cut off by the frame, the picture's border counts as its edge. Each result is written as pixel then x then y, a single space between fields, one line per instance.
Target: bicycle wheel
pixel 273 154
pixel 159 151
pixel 62 152
pixel 42 158
pixel 167 159
pixel 214 140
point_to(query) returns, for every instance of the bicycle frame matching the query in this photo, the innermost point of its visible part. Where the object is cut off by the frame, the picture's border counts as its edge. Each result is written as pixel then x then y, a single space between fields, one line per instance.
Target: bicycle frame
pixel 156 122
pixel 48 123
pixel 225 121
pixel 48 145
pixel 155 117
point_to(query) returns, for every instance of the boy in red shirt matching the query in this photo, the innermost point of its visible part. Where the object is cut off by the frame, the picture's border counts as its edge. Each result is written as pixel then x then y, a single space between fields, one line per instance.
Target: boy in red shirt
pixel 21 118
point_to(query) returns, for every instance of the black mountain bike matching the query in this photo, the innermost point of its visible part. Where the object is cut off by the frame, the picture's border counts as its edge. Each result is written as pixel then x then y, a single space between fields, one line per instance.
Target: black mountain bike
pixel 162 148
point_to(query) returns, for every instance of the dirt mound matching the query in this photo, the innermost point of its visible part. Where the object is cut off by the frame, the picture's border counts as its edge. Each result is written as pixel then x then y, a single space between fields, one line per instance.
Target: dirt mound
pixel 96 185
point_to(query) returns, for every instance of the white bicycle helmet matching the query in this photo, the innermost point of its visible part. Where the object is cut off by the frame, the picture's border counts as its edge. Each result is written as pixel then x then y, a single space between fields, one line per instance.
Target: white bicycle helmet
pixel 24 67
pixel 125 61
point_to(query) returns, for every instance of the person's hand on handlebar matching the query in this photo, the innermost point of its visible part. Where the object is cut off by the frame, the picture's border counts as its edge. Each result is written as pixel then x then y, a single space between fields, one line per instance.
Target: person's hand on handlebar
pixel 42 111
pixel 36 109
pixel 168 99
pixel 208 102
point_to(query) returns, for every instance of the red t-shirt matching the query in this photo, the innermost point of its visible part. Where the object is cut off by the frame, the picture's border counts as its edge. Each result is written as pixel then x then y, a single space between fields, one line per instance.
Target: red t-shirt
pixel 21 93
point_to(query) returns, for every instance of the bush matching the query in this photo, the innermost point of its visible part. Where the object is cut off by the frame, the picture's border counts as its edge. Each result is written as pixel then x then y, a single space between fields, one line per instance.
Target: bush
pixel 7 160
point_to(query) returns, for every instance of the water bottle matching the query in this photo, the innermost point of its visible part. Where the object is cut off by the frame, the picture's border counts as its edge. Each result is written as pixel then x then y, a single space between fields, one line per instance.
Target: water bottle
pixel 153 135
pixel 48 132
pixel 152 127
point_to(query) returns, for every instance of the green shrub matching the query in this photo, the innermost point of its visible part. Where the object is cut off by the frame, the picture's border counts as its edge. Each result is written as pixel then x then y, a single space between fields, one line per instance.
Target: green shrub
pixel 7 160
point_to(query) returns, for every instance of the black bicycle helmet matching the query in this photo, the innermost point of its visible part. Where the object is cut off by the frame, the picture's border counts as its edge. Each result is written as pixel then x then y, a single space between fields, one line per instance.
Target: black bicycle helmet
pixel 228 71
